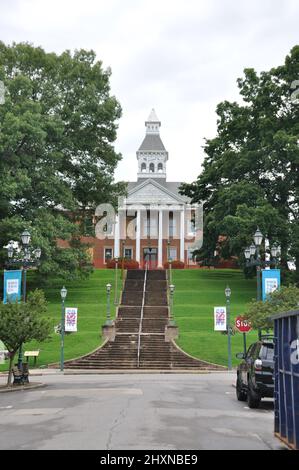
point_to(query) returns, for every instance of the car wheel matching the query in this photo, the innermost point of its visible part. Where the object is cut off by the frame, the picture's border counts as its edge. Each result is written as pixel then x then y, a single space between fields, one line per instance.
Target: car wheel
pixel 253 398
pixel 241 395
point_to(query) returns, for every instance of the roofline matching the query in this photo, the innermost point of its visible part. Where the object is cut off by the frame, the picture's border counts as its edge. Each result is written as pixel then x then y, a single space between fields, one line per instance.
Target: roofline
pixel 159 186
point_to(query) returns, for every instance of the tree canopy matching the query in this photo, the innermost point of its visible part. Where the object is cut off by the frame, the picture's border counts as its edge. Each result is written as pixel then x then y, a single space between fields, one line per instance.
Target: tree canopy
pixel 250 174
pixel 58 124
pixel 280 301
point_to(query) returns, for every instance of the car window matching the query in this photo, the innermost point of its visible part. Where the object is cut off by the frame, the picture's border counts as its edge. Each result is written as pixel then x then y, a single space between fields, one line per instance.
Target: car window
pixel 267 352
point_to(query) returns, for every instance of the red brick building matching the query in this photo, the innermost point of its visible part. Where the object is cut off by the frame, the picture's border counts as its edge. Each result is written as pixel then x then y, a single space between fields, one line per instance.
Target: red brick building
pixel 154 222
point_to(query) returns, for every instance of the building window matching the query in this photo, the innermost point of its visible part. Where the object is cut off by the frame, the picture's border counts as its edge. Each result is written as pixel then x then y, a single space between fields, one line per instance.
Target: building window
pixel 152 168
pixel 108 254
pixel 143 167
pixel 172 253
pixel 160 167
pixel 128 253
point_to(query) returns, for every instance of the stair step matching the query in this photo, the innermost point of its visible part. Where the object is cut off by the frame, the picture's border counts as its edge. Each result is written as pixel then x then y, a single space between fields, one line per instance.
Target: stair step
pixel 155 353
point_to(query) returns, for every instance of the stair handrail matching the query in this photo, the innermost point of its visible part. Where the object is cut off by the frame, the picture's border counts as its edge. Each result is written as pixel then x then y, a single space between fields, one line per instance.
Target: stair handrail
pixel 141 314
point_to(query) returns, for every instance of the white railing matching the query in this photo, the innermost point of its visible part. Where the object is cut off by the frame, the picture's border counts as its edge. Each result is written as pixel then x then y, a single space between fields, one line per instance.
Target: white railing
pixel 141 314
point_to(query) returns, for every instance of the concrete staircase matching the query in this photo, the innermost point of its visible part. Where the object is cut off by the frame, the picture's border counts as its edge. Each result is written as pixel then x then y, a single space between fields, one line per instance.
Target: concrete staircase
pixel 140 323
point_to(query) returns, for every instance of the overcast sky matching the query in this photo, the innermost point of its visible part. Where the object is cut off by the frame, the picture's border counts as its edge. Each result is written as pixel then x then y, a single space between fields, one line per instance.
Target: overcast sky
pixel 180 57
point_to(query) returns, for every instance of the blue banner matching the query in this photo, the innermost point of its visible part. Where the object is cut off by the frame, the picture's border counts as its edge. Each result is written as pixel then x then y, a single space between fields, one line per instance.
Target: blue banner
pixel 12 286
pixel 270 282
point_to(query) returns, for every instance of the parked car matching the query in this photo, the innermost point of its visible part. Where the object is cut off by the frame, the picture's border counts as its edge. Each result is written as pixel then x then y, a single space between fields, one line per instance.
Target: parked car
pixel 255 374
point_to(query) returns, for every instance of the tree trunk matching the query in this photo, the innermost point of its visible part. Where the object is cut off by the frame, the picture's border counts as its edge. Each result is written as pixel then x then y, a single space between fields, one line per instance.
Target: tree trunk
pixel 11 360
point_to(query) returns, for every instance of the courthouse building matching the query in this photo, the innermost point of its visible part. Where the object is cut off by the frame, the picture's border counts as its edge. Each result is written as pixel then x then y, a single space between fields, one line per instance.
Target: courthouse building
pixel 154 221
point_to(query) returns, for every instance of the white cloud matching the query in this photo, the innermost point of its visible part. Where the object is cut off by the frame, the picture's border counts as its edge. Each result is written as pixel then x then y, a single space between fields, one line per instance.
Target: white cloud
pixel 181 57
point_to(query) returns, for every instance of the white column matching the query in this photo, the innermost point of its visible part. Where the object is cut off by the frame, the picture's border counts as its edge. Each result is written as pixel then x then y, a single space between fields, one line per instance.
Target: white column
pixel 116 236
pixel 160 240
pixel 138 230
pixel 182 236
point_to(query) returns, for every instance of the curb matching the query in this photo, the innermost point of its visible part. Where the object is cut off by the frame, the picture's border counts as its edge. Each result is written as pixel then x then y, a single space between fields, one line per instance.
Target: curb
pixel 17 388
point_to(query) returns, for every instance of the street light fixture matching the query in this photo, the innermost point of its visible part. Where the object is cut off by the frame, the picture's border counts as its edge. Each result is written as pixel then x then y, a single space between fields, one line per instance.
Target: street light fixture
pixel 63 294
pixel 258 237
pixel 247 253
pixel 26 237
pixel 25 257
pixel 171 292
pixel 252 249
pixel 229 345
pixel 108 318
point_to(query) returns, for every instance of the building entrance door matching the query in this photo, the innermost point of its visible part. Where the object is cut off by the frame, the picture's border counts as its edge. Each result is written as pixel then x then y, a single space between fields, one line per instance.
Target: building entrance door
pixel 150 256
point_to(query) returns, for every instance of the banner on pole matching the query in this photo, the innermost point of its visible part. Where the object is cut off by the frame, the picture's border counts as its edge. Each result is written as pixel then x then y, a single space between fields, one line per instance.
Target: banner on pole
pixel 220 319
pixel 71 316
pixel 12 286
pixel 270 281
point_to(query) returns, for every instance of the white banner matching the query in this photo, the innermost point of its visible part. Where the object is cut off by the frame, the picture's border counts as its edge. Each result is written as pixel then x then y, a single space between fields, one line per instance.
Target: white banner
pixel 71 316
pixel 219 318
pixel 12 286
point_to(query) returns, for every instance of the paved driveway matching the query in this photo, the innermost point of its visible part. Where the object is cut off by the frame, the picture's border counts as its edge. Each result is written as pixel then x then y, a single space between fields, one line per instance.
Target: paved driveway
pixel 134 412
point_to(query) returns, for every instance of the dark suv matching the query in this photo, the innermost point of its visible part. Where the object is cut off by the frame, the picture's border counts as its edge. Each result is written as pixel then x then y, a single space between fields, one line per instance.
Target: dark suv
pixel 255 374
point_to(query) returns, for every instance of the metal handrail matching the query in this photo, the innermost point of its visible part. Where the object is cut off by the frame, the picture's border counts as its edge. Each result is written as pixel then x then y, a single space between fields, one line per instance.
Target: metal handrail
pixel 141 315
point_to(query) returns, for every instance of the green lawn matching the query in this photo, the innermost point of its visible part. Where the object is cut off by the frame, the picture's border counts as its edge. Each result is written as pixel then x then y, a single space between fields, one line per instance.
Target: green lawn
pixel 196 293
pixel 91 299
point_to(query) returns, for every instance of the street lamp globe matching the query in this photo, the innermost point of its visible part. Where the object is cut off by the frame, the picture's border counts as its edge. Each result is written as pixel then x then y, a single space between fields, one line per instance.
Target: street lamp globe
pixel 171 288
pixel 258 237
pixel 252 249
pixel 10 249
pixel 63 293
pixel 274 251
pixel 228 292
pixel 247 253
pixel 278 252
pixel 108 288
pixel 38 253
pixel 116 259
pixel 25 238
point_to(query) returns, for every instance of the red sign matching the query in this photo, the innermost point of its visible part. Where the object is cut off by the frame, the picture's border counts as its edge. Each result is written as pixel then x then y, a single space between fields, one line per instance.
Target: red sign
pixel 242 324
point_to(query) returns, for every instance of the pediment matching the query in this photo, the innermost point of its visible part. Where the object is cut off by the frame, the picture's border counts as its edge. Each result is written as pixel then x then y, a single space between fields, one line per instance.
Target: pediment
pixel 151 192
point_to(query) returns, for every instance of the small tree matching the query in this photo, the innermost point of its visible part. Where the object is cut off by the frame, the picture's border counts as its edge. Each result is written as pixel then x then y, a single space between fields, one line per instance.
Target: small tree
pixel 23 322
pixel 282 300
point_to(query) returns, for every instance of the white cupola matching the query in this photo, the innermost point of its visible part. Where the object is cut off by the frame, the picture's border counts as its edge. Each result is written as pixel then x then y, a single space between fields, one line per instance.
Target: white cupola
pixel 151 155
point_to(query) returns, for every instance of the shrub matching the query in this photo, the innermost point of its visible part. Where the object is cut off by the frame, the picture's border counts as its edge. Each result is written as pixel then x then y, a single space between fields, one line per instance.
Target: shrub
pixel 128 264
pixel 176 264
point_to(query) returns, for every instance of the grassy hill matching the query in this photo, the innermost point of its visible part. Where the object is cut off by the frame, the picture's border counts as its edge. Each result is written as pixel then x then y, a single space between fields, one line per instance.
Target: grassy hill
pixel 197 292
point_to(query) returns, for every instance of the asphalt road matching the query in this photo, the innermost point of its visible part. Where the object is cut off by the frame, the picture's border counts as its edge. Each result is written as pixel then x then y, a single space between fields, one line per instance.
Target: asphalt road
pixel 134 412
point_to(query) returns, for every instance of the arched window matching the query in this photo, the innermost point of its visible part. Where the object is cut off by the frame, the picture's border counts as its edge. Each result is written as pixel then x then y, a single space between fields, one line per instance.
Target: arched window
pixel 152 168
pixel 143 167
pixel 160 167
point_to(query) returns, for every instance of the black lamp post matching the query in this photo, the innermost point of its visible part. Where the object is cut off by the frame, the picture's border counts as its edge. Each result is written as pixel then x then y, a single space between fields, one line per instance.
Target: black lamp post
pixel 63 294
pixel 253 258
pixel 171 292
pixel 229 343
pixel 108 319
pixel 25 257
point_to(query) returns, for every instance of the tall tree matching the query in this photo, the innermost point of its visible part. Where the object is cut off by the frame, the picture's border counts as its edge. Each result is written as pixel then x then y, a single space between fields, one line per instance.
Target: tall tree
pixel 250 174
pixel 57 160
